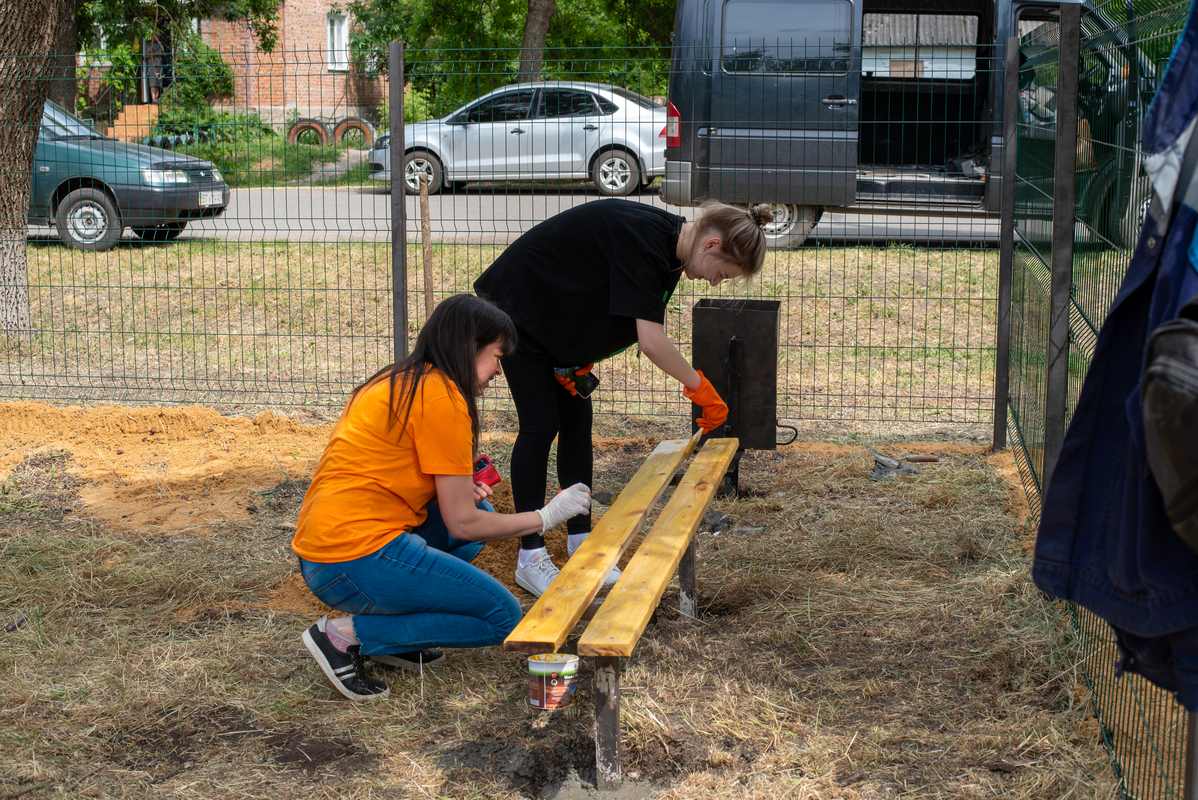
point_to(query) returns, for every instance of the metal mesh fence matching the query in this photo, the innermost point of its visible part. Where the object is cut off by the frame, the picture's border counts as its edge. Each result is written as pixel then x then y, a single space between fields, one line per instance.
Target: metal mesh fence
pixel 281 292
pixel 1123 52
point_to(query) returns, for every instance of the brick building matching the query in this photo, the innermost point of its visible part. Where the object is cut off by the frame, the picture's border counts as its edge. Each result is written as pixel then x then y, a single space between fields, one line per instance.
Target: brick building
pixel 308 74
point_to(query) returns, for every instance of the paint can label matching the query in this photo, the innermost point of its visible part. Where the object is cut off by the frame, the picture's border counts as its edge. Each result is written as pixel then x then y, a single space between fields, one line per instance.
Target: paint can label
pixel 551 680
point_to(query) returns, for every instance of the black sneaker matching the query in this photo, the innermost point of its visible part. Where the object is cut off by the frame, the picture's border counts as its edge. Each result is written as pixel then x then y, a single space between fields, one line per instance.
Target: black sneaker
pixel 415 660
pixel 347 671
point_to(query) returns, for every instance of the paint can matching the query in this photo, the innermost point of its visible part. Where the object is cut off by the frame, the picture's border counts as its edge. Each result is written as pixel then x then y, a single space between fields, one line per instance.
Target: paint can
pixel 551 679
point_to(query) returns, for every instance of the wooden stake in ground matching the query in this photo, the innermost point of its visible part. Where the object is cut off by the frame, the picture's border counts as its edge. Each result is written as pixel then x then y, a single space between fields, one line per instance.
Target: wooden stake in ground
pixel 426 246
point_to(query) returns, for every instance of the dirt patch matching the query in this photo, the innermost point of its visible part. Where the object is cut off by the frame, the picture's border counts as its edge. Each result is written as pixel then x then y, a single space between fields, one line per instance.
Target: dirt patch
pixel 856 639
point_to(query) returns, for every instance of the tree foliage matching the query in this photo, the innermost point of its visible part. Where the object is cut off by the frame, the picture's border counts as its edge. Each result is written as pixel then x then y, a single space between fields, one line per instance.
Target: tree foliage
pixel 469 48
pixel 106 23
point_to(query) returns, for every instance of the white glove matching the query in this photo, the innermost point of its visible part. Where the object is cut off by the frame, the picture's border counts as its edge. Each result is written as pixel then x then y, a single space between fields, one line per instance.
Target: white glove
pixel 568 503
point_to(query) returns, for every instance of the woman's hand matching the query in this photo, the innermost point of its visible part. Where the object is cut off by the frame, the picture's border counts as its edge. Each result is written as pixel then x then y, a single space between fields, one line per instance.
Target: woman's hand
pixel 565 504
pixel 481 492
pixel 715 410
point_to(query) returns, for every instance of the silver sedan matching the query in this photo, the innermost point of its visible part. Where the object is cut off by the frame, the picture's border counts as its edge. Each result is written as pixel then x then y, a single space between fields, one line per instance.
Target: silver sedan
pixel 536 131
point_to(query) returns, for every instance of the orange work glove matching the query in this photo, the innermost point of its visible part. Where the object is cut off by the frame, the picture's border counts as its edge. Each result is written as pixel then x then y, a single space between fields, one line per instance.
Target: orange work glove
pixel 567 378
pixel 715 410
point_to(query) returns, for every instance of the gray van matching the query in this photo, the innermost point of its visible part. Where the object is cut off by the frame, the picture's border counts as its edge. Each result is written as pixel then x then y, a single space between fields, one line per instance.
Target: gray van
pixel 812 105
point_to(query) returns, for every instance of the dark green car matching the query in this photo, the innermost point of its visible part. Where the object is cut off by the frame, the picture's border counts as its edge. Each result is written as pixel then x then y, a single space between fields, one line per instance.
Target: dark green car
pixel 92 187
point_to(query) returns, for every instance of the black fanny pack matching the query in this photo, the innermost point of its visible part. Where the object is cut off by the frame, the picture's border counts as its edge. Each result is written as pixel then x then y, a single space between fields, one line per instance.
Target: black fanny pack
pixel 1169 396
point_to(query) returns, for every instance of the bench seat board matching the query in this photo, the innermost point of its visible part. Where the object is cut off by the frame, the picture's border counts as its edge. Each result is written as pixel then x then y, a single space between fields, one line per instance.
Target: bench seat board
pixel 550 620
pixel 626 610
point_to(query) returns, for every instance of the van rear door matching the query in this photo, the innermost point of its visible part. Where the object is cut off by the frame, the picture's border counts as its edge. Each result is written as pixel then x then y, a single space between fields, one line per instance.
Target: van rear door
pixel 784 107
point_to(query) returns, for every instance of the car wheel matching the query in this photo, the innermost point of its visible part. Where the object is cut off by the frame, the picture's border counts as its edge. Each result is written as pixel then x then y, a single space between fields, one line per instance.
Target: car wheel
pixel 88 220
pixel 166 232
pixel 616 173
pixel 790 225
pixel 417 162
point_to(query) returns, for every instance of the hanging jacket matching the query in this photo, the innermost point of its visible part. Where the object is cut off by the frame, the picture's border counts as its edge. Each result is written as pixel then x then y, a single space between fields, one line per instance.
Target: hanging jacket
pixel 1104 540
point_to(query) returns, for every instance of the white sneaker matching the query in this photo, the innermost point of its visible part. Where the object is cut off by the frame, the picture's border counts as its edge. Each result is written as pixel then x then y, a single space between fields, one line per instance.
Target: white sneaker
pixel 536 575
pixel 612 576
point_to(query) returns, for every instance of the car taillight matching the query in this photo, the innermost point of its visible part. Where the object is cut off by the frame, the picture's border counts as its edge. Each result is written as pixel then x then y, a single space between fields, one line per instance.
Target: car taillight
pixel 673 138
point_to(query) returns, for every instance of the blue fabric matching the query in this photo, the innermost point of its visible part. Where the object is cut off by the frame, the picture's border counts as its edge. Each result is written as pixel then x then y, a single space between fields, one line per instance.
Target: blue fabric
pixel 1104 540
pixel 418 591
pixel 1194 252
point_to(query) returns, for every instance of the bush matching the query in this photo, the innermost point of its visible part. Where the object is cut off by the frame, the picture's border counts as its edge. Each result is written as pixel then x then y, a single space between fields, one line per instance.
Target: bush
pixel 416 108
pixel 208 126
pixel 200 76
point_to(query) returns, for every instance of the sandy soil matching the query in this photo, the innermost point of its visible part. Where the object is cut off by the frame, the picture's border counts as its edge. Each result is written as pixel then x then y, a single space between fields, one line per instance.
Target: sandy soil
pixel 186 469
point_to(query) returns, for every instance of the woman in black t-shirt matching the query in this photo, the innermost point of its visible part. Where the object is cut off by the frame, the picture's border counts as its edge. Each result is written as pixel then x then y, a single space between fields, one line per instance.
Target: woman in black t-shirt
pixel 582 286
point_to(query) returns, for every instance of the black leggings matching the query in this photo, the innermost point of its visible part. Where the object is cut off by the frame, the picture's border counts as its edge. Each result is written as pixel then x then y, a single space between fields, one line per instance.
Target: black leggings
pixel 546 410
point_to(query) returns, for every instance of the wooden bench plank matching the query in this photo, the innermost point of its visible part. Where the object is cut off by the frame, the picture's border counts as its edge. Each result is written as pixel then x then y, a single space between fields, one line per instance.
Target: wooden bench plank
pixel 550 620
pixel 626 610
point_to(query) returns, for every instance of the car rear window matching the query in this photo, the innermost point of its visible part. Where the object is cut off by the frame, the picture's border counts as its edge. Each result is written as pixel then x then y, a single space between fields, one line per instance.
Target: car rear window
pixel 639 99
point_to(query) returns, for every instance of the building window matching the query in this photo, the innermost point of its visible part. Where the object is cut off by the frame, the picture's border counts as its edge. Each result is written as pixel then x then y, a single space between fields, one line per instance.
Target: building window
pixel 338 53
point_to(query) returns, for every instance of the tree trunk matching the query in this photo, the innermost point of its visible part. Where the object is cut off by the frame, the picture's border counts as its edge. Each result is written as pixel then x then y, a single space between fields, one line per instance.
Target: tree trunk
pixel 536 30
pixel 63 83
pixel 29 64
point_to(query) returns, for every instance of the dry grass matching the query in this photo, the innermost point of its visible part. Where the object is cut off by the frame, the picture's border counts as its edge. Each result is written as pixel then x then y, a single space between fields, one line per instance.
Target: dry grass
pixel 873 640
pixel 895 334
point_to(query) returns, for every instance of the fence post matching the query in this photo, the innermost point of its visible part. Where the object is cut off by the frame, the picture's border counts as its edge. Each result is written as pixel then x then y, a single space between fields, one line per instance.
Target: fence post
pixel 1006 244
pixel 1060 299
pixel 399 227
pixel 1190 791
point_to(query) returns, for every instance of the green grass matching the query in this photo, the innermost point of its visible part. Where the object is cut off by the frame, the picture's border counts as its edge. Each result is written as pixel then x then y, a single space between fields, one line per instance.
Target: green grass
pixel 269 161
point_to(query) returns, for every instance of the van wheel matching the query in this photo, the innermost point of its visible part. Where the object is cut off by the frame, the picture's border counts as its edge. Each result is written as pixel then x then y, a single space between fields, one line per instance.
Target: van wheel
pixel 88 220
pixel 616 173
pixel 791 225
pixel 417 162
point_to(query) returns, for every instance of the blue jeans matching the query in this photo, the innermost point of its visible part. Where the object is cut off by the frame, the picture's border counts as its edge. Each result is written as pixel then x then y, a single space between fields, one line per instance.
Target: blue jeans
pixel 418 591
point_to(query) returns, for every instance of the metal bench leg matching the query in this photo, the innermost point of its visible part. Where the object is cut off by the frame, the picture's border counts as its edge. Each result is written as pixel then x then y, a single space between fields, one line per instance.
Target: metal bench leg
pixel 688 586
pixel 607 722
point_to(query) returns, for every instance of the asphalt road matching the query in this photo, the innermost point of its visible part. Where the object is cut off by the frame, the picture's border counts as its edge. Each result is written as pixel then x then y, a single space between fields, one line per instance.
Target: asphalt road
pixel 484 214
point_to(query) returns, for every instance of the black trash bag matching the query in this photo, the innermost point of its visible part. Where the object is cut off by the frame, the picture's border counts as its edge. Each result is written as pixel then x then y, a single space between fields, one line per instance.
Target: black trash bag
pixel 1169 396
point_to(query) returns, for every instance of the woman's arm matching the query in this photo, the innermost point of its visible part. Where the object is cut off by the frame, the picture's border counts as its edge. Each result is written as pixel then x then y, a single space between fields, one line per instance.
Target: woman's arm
pixel 463 518
pixel 661 351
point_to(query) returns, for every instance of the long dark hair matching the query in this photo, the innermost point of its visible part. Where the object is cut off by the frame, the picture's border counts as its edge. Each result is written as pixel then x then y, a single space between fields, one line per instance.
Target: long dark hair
pixel 450 340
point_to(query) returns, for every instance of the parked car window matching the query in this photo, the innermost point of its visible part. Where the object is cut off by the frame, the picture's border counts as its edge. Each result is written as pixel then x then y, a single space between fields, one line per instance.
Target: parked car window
pixel 628 94
pixel 808 36
pixel 501 108
pixel 566 103
pixel 58 124
pixel 607 106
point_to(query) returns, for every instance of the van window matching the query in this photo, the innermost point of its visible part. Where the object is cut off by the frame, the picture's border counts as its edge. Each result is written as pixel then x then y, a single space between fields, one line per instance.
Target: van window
pixel 807 36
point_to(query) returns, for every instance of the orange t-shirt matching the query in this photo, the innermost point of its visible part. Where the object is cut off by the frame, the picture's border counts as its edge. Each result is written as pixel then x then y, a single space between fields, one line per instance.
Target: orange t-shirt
pixel 374 483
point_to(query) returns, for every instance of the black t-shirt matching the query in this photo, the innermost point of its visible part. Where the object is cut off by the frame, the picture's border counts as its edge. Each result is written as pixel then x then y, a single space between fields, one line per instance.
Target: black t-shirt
pixel 576 284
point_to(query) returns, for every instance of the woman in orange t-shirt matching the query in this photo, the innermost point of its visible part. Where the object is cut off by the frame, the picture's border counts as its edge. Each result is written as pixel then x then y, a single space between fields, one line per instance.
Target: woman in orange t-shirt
pixel 393 517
